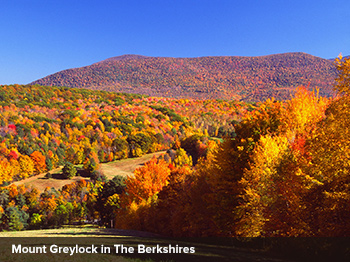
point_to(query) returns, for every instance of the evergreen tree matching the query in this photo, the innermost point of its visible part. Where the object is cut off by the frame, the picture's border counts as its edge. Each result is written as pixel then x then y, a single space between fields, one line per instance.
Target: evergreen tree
pixel 69 170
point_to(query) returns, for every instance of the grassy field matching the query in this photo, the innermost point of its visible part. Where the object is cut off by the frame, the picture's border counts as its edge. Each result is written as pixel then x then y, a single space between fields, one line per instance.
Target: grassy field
pixel 123 167
pixel 126 167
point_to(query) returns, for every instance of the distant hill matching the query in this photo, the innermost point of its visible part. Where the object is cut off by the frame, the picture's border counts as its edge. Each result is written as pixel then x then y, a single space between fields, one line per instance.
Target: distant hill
pixel 224 77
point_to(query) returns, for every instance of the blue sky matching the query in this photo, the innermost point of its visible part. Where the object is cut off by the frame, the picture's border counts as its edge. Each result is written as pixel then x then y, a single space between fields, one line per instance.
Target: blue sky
pixel 41 37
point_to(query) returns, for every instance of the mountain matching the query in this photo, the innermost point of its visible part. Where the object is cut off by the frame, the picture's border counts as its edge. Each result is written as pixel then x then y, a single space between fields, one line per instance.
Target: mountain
pixel 221 77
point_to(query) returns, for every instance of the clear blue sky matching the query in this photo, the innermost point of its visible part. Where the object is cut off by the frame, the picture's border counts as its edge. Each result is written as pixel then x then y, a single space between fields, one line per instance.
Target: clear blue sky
pixel 41 37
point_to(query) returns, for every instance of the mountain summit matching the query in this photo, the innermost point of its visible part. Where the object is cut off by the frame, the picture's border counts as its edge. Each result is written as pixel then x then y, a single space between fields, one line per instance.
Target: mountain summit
pixel 122 57
pixel 219 77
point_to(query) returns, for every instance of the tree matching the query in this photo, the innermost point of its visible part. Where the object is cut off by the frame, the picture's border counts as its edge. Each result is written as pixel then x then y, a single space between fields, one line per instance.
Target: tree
pixel 39 162
pixel 92 163
pixel 147 181
pixel 140 143
pixel 274 186
pixel 343 78
pixel 92 166
pixel 36 221
pixel 328 163
pixel 6 170
pixel 192 147
pixel 303 111
pixel 69 171
pixel 182 158
pixel 61 215
pixel 108 198
pixel 17 218
pixel 49 164
pixel 26 166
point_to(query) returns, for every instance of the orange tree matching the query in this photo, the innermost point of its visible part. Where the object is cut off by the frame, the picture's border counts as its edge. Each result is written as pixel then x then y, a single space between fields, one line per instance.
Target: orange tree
pixel 141 193
pixel 39 162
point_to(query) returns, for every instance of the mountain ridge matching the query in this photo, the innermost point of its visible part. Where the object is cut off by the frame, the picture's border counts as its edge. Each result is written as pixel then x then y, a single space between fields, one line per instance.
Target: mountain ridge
pixel 209 77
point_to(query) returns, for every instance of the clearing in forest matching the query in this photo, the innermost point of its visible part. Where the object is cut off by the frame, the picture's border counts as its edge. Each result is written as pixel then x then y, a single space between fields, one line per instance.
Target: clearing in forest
pixel 124 167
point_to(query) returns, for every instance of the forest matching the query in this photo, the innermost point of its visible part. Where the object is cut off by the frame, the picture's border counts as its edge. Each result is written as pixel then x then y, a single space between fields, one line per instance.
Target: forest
pixel 284 173
pixel 231 169
pixel 43 128
pixel 237 78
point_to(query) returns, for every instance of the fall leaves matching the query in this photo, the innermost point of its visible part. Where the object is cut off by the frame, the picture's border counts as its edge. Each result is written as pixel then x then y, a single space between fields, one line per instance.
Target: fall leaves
pixel 44 127
pixel 248 78
pixel 273 169
pixel 285 173
pixel 147 181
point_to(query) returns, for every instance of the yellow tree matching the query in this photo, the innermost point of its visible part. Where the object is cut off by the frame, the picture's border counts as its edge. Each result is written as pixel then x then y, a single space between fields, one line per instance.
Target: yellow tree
pixel 274 187
pixel 26 166
pixel 328 163
pixel 182 158
pixel 304 110
pixel 259 185
pixel 329 150
pixel 6 170
pixel 343 79
pixel 229 162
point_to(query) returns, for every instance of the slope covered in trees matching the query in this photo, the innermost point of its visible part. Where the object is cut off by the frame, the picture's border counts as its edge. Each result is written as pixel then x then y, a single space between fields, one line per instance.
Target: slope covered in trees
pixel 240 78
pixel 43 127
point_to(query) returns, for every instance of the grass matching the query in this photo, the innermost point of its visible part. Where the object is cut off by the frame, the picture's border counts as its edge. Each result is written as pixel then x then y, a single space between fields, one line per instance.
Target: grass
pixel 126 167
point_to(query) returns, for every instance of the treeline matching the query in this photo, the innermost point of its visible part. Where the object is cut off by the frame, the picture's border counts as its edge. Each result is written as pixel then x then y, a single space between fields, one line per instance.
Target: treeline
pixel 285 173
pixel 42 128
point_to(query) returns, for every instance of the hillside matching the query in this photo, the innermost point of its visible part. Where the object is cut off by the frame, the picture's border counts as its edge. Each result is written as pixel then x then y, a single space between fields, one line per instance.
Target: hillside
pixel 42 127
pixel 233 77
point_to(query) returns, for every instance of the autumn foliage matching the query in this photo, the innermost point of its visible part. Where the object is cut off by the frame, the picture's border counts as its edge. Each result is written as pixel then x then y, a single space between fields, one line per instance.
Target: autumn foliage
pixel 221 77
pixel 277 169
pixel 285 173
pixel 39 162
pixel 147 181
pixel 42 128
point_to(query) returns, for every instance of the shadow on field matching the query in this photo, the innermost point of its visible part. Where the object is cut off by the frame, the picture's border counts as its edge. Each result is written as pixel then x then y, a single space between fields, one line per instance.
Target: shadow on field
pixel 100 232
pixel 58 176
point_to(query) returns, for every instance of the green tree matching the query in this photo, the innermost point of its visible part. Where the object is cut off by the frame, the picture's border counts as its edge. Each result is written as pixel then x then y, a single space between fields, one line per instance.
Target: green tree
pixel 69 170
pixel 61 215
pixel 36 220
pixel 140 141
pixel 120 148
pixel 17 218
pixel 108 199
pixel 49 164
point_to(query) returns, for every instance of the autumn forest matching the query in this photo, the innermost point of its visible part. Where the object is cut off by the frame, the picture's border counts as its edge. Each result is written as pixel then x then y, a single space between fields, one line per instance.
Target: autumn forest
pixel 229 168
